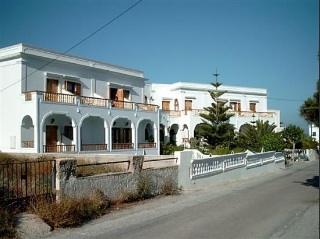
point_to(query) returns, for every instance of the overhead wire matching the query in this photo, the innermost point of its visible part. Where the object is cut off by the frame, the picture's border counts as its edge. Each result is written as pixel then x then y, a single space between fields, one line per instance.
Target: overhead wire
pixel 74 46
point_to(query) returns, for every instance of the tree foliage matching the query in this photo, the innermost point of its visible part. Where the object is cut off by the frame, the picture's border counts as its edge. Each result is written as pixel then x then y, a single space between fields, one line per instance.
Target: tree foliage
pixel 273 142
pixel 309 110
pixel 293 134
pixel 215 128
pixel 255 137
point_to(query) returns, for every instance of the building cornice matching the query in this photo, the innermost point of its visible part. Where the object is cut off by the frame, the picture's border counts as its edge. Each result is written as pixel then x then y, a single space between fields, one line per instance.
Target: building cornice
pixel 208 87
pixel 18 50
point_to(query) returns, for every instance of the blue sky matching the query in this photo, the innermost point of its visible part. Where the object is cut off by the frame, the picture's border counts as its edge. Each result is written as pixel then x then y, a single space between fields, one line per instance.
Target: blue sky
pixel 270 44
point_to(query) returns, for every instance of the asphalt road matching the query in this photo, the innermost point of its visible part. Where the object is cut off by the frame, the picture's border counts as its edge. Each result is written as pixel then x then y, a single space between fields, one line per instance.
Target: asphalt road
pixel 284 204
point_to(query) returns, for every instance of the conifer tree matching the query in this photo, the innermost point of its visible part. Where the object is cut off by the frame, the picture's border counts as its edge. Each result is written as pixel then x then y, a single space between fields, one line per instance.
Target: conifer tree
pixel 216 129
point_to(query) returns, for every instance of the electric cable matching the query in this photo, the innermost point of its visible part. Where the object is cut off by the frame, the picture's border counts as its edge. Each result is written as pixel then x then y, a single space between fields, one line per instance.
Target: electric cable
pixel 74 46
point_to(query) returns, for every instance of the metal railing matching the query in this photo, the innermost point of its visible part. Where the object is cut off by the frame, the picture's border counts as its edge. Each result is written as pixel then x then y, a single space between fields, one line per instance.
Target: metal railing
pixel 21 180
pixel 58 148
pixel 146 145
pixel 122 146
pixel 92 147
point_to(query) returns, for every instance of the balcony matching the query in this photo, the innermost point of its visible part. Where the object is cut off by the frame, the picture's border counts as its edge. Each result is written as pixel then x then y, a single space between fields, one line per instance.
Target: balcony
pixel 93 147
pixel 146 145
pixel 122 146
pixel 58 148
pixel 88 101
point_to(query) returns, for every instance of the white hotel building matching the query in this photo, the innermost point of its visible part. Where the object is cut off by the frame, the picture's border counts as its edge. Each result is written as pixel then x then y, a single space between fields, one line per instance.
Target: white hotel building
pixel 182 102
pixel 53 102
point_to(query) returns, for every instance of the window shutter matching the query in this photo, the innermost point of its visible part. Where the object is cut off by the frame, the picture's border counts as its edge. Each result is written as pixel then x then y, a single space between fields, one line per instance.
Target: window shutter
pixel 77 89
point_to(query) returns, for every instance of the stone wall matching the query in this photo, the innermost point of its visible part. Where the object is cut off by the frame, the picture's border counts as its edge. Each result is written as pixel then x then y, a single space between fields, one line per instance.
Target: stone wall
pixel 113 185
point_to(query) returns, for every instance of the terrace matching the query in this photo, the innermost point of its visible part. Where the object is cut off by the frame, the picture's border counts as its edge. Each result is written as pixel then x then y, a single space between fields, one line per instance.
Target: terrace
pixel 88 101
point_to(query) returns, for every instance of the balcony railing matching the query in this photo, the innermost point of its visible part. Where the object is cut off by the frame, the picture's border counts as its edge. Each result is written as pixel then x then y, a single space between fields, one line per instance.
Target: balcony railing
pixel 199 111
pixel 27 144
pixel 90 101
pixel 236 113
pixel 123 104
pixel 174 113
pixel 146 107
pixel 257 114
pixel 58 148
pixel 94 101
pixel 146 145
pixel 57 97
pixel 93 147
pixel 122 146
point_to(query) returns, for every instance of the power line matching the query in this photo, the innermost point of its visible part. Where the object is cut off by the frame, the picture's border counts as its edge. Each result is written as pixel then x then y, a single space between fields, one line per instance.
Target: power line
pixel 77 44
pixel 282 99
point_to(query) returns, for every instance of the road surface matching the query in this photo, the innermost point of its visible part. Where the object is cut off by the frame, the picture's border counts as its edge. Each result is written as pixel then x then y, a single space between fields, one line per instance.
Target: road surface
pixel 283 204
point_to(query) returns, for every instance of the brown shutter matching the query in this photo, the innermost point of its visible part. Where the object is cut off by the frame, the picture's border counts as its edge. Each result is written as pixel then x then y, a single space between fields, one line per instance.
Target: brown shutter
pixel 77 89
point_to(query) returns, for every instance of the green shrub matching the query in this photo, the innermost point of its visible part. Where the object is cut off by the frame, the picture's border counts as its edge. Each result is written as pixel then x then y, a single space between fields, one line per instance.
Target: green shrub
pixel 169 149
pixel 7 229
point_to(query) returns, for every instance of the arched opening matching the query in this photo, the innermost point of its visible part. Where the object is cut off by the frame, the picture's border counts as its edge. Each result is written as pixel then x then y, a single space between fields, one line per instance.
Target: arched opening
pixel 122 134
pixel 93 134
pixel 173 134
pixel 27 132
pixel 60 134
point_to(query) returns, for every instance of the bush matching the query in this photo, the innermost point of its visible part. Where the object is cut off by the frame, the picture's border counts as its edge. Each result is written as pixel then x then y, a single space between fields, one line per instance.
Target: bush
pixel 273 142
pixel 7 229
pixel 169 149
pixel 71 211
pixel 145 186
pixel 169 187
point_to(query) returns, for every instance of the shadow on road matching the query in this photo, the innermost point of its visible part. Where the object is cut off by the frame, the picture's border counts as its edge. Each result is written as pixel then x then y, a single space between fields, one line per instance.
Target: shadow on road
pixel 314 182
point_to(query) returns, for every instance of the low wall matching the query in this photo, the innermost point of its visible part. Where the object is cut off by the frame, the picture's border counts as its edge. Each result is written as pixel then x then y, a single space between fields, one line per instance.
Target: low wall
pixel 113 185
pixel 196 173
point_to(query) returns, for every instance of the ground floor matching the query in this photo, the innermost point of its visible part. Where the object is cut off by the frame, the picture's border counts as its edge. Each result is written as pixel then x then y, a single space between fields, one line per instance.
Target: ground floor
pixel 62 133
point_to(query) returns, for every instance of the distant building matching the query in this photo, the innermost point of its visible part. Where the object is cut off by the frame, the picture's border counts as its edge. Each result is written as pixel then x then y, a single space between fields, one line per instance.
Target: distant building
pixel 314 132
pixel 182 102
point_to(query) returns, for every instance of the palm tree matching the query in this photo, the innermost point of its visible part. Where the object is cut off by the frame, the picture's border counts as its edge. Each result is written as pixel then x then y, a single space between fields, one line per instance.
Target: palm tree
pixel 264 128
pixel 251 136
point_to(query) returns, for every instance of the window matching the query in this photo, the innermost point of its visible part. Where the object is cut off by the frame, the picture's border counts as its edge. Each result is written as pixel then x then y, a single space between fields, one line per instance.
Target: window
pixel 119 94
pixel 188 105
pixel 314 133
pixel 68 132
pixel 73 87
pixel 236 106
pixel 165 105
pixel 253 106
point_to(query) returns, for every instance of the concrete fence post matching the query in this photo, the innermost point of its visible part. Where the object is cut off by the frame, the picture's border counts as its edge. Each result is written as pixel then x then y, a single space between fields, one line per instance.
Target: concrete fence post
pixel 136 163
pixel 66 170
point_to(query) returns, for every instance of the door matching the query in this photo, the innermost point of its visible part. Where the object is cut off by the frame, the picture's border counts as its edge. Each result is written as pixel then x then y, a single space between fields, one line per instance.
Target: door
pixel 188 105
pixel 51 138
pixel 52 90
